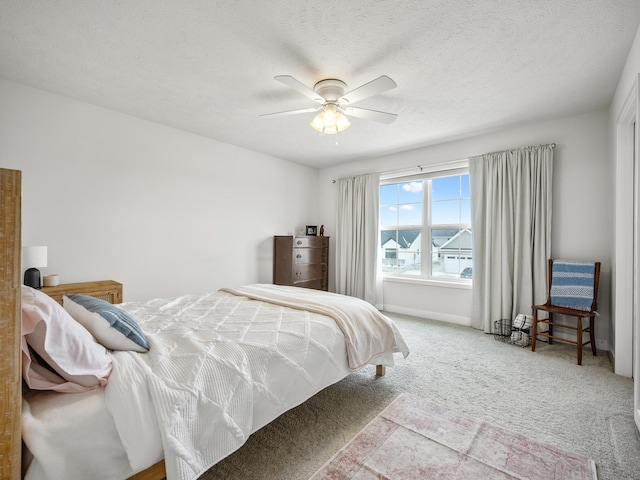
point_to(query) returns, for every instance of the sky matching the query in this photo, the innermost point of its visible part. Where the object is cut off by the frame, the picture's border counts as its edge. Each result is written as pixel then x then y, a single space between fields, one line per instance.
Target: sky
pixel 401 204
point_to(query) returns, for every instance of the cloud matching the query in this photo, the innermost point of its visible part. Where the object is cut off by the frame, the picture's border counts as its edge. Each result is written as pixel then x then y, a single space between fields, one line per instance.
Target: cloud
pixel 406 207
pixel 413 187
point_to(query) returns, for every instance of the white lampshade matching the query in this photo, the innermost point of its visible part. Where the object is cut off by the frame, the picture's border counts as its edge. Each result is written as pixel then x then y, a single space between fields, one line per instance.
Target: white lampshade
pixel 330 120
pixel 34 257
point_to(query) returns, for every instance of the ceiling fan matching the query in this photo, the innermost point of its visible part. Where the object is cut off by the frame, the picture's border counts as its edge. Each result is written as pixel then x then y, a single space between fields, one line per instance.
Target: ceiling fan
pixel 334 103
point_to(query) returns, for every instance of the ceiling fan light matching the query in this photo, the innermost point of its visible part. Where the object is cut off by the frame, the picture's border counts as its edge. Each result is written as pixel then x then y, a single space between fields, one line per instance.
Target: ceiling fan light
pixel 342 123
pixel 317 123
pixel 330 121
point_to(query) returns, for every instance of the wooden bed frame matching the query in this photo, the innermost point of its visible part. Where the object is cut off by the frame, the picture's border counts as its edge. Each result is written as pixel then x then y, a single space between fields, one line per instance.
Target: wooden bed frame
pixel 10 325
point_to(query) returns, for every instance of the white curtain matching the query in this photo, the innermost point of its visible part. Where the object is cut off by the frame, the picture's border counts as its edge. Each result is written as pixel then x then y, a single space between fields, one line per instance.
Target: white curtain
pixel 511 225
pixel 357 243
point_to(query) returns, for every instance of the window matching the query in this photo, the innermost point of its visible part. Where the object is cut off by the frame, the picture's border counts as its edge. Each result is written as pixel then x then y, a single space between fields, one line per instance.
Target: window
pixel 425 226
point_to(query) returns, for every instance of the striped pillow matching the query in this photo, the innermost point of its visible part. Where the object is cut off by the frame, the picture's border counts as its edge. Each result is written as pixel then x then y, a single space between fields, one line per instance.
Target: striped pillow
pixel 111 326
pixel 572 284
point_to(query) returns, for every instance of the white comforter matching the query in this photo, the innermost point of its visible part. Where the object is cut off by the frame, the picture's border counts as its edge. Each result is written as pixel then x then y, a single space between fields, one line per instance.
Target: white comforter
pixel 221 366
pixel 367 332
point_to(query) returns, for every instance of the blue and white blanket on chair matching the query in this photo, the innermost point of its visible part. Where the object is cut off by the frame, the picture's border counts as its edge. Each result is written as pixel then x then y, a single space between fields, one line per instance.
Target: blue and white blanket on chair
pixel 572 284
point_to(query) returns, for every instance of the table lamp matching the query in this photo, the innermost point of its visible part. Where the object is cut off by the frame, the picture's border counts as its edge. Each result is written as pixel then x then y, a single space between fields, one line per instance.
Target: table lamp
pixel 32 258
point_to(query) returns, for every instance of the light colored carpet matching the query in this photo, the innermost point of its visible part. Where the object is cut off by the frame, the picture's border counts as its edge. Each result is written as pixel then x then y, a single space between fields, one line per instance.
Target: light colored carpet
pixel 413 439
pixel 586 410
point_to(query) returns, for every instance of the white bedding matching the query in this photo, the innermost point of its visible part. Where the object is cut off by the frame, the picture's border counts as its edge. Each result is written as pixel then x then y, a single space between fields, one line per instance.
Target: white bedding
pixel 368 334
pixel 263 358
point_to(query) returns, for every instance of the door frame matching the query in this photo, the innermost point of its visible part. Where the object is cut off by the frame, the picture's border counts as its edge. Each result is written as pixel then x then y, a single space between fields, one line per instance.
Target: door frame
pixel 627 246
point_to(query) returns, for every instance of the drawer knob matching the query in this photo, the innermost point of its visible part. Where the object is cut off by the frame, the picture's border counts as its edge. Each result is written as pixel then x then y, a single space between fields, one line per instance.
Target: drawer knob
pixel 298 256
pixel 299 242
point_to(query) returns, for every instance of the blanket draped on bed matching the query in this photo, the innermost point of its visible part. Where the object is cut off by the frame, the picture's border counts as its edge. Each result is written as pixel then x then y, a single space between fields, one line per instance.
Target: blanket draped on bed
pixel 205 374
pixel 367 332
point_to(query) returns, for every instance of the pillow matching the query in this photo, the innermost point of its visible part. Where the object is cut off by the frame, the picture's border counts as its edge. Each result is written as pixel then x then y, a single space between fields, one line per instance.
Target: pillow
pixel 66 357
pixel 111 326
pixel 521 330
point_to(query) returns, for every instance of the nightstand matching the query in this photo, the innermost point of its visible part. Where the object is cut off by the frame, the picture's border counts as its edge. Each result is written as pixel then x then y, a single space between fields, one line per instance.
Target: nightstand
pixel 104 289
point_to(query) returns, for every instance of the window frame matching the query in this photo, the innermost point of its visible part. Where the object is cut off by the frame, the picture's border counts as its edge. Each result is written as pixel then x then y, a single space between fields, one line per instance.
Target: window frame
pixel 460 167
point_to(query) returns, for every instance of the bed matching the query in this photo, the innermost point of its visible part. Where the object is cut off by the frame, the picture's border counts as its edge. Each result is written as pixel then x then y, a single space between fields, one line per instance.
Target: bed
pixel 237 357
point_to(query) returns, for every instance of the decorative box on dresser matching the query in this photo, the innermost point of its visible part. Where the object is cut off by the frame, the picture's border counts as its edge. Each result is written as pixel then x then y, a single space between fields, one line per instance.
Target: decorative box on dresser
pixel 301 261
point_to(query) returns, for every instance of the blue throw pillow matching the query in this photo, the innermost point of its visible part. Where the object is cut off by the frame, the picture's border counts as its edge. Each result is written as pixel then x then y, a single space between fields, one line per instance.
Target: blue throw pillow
pixel 111 326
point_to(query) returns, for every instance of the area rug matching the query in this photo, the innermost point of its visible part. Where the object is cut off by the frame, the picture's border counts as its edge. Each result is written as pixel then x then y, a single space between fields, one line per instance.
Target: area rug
pixel 414 439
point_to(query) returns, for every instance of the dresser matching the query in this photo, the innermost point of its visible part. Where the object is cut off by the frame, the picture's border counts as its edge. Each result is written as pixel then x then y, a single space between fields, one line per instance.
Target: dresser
pixel 301 261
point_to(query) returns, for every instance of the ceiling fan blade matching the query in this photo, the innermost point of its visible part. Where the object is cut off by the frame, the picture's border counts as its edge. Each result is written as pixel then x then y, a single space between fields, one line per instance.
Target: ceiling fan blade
pixel 291 112
pixel 379 85
pixel 367 114
pixel 299 87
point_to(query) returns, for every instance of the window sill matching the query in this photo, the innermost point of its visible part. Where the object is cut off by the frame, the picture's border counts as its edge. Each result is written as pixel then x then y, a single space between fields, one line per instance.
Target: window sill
pixel 446 283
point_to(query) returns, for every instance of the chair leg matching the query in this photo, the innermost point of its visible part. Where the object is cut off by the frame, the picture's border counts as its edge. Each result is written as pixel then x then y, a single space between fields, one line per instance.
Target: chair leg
pixel 550 328
pixel 592 335
pixel 579 342
pixel 534 330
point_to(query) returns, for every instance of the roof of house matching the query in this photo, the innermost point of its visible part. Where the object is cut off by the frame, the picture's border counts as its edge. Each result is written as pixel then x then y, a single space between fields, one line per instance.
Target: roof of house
pixel 404 238
pixel 460 241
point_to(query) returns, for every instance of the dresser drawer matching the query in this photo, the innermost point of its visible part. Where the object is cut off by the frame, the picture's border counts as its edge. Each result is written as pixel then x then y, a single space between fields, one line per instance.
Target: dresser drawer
pixel 316 284
pixel 310 242
pixel 309 271
pixel 309 255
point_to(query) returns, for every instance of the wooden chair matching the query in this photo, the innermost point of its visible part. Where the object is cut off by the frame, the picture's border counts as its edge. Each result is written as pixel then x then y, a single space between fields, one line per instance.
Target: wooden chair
pixel 555 306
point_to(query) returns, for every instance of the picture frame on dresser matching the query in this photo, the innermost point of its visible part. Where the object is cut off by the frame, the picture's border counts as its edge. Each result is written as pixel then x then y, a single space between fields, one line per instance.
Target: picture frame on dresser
pixel 312 230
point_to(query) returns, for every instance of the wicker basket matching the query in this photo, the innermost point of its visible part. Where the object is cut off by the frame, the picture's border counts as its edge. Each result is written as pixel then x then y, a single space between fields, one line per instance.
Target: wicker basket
pixel 504 331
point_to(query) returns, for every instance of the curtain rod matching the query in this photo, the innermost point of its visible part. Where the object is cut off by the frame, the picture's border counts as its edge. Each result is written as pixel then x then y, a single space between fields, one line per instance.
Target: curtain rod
pixel 406 169
pixel 434 166
pixel 550 145
pixel 421 167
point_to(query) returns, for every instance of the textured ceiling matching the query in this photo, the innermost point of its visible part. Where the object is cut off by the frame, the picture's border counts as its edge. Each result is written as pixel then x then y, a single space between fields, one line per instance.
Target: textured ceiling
pixel 462 67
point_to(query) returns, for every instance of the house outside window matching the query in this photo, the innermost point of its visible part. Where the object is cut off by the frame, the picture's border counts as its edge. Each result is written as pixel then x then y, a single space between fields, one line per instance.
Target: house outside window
pixel 427 213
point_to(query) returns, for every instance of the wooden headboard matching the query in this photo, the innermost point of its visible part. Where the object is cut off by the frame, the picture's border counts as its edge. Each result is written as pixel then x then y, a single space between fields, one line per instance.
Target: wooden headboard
pixel 10 324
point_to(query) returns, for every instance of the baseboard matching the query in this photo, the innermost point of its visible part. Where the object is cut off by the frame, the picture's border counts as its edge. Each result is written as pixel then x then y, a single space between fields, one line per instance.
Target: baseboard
pixel 441 317
pixel 601 345
pixel 612 357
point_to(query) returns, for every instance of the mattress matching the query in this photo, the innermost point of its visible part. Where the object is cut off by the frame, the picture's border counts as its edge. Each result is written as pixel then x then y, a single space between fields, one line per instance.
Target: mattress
pixel 220 367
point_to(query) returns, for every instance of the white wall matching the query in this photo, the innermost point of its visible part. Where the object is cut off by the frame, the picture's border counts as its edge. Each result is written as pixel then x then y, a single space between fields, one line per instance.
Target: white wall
pixel 623 114
pixel 163 211
pixel 582 227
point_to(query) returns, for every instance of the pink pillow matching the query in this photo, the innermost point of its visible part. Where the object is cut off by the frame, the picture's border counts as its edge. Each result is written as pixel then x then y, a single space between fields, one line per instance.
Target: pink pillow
pixel 74 361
